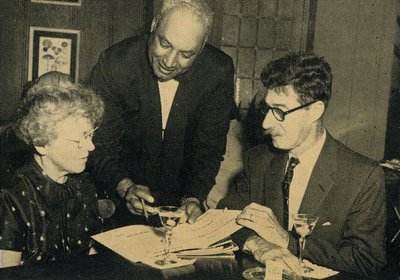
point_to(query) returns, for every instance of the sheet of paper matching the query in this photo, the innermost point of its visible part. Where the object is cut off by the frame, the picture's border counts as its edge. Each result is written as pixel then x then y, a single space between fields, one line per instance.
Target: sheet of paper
pixel 211 227
pixel 319 272
pixel 178 262
pixel 277 270
pixel 214 250
pixel 135 243
pixel 274 270
pixel 139 243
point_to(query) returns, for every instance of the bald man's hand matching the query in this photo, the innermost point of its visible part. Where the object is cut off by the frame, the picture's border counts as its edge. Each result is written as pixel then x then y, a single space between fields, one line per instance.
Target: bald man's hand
pixel 192 209
pixel 132 194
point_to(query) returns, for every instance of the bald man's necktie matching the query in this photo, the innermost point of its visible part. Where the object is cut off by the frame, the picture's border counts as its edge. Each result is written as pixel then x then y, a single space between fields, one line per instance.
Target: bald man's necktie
pixel 285 189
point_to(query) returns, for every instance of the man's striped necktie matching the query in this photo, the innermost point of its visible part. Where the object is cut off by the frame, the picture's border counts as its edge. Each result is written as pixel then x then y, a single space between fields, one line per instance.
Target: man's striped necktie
pixel 285 189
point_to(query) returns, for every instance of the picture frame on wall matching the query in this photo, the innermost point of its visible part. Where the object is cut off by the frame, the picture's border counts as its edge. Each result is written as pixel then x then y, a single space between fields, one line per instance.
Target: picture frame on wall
pixel 53 49
pixel 59 2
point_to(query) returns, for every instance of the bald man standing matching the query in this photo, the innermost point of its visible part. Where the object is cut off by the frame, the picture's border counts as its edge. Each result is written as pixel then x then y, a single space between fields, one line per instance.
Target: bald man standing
pixel 169 100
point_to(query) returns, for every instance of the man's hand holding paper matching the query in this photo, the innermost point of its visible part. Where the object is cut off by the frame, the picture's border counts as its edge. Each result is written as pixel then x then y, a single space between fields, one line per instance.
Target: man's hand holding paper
pixel 192 209
pixel 262 220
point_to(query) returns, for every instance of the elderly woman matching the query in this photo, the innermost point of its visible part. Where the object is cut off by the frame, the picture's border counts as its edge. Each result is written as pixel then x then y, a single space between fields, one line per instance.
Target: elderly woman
pixel 50 209
pixel 14 151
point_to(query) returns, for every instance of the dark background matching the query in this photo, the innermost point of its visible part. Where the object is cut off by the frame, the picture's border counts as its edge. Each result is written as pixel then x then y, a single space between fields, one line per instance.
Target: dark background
pixel 356 37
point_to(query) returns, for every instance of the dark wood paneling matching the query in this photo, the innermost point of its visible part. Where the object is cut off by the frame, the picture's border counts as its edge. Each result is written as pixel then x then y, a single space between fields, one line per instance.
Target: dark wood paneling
pixel 312 15
pixel 95 20
pixel 216 32
pixel 12 55
pixel 101 22
pixel 126 23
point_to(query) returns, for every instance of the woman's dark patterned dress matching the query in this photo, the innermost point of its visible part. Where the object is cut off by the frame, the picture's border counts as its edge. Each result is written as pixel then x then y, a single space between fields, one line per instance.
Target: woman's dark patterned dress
pixel 46 220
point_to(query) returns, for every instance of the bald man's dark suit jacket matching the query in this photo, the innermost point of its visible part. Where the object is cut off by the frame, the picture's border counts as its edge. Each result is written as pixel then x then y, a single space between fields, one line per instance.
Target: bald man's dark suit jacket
pixel 346 191
pixel 129 140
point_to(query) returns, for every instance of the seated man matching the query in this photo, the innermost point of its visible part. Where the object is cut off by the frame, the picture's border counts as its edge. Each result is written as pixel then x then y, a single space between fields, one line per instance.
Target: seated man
pixel 308 171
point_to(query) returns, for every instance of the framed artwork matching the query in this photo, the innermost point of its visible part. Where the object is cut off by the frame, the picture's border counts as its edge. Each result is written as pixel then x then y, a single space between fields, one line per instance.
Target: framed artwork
pixel 59 2
pixel 53 50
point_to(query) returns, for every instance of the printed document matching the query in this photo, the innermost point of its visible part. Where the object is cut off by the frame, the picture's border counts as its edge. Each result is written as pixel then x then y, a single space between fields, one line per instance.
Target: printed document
pixel 139 243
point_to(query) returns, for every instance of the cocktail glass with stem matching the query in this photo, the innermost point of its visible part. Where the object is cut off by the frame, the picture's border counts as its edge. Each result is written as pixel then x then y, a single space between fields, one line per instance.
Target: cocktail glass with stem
pixel 304 224
pixel 169 217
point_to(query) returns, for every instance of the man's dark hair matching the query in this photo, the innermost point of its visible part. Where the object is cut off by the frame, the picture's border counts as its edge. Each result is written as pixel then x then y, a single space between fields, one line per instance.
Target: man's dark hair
pixel 310 76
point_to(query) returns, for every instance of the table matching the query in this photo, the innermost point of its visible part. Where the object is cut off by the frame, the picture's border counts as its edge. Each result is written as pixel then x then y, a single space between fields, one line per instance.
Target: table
pixel 108 265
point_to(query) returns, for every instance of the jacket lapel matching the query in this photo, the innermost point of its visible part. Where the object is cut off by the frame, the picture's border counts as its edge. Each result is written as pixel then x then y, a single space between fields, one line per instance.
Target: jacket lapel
pixel 322 178
pixel 274 178
pixel 150 111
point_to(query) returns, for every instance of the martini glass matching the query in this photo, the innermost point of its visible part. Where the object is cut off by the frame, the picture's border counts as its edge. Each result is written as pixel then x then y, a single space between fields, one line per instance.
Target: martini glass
pixel 304 225
pixel 169 217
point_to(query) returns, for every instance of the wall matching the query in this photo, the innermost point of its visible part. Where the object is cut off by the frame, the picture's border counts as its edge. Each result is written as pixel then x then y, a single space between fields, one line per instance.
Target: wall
pixel 356 38
pixel 256 32
pixel 392 147
pixel 101 22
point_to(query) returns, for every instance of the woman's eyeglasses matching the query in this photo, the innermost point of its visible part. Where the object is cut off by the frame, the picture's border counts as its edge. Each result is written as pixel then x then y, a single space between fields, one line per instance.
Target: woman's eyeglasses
pixel 87 136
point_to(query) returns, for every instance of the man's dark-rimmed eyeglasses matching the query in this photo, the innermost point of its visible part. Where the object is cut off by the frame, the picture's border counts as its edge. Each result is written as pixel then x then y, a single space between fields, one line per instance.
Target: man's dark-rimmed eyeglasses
pixel 278 113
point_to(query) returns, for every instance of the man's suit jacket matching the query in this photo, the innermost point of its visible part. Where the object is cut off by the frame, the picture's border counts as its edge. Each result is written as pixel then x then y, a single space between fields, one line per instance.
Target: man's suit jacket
pixel 129 141
pixel 346 191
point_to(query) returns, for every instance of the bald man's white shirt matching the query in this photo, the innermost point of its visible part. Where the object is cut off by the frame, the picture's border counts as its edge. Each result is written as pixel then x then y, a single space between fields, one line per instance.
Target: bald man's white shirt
pixel 167 91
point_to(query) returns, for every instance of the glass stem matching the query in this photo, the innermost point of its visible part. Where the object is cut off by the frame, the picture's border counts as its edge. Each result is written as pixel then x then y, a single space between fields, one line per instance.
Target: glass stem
pixel 102 224
pixel 302 243
pixel 167 243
